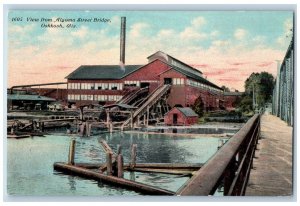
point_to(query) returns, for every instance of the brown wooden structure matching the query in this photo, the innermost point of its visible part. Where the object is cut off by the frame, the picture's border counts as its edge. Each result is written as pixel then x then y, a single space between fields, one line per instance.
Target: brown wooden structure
pixel 181 116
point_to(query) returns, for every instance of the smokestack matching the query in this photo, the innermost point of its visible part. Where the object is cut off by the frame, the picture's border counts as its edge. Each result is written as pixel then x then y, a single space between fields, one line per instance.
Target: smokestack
pixel 122 40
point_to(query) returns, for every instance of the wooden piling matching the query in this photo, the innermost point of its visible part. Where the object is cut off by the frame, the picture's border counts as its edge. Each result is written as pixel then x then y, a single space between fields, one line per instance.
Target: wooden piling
pixel 148 115
pixel 109 163
pixel 81 133
pixel 133 156
pixel 90 129
pixel 72 152
pixel 146 189
pixel 119 149
pixel 110 127
pixel 138 120
pixel 120 166
pixel 131 119
pixel 42 127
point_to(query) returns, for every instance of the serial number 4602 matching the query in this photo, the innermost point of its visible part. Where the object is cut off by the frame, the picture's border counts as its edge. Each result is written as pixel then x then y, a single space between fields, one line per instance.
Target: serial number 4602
pixel 17 19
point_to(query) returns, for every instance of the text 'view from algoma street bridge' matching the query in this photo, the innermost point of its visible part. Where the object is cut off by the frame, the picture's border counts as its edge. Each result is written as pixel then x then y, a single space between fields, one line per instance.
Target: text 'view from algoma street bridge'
pixel 125 105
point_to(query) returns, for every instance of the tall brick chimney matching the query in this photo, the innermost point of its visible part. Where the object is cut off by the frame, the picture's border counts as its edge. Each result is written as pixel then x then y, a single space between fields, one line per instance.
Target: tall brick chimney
pixel 122 40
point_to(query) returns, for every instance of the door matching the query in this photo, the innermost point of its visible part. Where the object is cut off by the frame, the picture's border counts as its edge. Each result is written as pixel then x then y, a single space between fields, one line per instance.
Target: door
pixel 145 84
pixel 175 117
pixel 167 81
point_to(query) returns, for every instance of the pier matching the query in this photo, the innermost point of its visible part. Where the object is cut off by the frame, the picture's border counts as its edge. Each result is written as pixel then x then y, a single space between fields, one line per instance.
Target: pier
pixel 272 166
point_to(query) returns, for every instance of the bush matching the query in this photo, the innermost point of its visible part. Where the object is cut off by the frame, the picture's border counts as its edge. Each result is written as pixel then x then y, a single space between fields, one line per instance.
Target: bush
pixel 198 106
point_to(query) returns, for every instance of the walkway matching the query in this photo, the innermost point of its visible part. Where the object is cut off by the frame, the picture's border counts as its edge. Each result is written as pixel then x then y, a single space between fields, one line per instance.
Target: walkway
pixel 272 167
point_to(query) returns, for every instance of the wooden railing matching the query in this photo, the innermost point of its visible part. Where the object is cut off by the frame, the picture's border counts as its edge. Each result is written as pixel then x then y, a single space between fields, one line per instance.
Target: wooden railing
pixel 229 167
pixel 133 95
pixel 153 98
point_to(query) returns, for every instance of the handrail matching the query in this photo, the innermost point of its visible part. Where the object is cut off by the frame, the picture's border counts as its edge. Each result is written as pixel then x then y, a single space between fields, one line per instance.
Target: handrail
pixel 230 165
pixel 131 95
pixel 149 95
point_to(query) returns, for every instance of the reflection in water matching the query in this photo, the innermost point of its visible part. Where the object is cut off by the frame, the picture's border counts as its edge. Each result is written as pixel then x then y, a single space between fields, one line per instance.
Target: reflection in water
pixel 30 162
pixel 72 182
pixel 132 176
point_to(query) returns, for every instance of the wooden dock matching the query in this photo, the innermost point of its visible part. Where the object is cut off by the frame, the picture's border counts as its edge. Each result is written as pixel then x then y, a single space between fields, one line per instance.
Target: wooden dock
pixel 273 163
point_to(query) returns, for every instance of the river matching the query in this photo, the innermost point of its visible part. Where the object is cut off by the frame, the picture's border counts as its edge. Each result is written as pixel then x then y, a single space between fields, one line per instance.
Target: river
pixel 30 162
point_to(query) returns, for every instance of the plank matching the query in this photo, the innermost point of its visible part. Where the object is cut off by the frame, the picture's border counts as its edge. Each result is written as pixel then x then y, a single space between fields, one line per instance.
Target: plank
pixel 140 187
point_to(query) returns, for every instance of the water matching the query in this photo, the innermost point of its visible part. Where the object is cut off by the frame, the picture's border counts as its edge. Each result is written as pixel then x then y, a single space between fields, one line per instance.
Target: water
pixel 30 162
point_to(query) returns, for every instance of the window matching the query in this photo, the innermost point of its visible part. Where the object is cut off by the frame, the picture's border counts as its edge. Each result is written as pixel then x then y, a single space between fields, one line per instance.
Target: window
pixel 90 97
pixel 83 97
pixel 132 83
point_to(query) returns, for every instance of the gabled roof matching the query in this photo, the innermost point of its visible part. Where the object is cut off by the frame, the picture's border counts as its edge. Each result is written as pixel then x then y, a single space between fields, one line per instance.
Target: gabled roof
pixel 165 54
pixel 27 97
pixel 188 112
pixel 194 76
pixel 102 72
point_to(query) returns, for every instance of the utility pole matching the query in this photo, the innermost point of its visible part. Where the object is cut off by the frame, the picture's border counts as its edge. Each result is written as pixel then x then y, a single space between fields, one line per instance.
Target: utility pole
pixel 253 97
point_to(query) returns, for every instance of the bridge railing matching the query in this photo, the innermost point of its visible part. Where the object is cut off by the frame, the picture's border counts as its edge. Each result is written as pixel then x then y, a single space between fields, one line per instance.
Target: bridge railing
pixel 229 167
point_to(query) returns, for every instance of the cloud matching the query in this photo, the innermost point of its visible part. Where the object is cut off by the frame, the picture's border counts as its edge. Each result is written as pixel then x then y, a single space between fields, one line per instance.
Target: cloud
pixel 238 63
pixel 24 29
pixel 285 38
pixel 138 29
pixel 265 64
pixel 240 34
pixel 220 43
pixel 225 61
pixel 288 26
pixel 200 65
pixel 198 22
pixel 193 32
pixel 214 34
pixel 80 33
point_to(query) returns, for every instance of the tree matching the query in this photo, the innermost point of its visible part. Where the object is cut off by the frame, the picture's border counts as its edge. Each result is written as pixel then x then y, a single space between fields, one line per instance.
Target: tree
pixel 226 89
pixel 198 106
pixel 261 84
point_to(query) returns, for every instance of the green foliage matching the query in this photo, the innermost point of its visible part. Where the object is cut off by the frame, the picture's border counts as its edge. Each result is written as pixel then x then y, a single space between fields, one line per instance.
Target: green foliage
pixel 246 104
pixel 261 84
pixel 226 89
pixel 198 106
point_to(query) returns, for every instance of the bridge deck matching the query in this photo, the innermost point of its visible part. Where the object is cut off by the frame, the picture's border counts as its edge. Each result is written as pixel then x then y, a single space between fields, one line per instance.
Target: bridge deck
pixel 272 168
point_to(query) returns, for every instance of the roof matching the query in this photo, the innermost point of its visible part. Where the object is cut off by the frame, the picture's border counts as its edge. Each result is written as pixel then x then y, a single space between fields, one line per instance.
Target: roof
pixel 187 111
pixel 196 77
pixel 163 53
pixel 29 97
pixel 102 72
pixel 233 93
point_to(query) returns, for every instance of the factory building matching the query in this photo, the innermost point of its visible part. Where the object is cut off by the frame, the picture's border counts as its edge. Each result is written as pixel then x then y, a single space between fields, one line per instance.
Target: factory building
pixel 106 84
pixel 232 99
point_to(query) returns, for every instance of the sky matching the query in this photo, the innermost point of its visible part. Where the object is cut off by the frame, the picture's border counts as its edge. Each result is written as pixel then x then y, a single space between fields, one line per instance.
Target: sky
pixel 227 46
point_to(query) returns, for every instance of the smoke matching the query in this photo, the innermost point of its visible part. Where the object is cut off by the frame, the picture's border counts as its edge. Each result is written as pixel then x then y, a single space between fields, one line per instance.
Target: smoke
pixel 122 66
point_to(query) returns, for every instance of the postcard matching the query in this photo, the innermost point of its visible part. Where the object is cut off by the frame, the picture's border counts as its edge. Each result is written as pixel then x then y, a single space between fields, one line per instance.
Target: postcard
pixel 135 103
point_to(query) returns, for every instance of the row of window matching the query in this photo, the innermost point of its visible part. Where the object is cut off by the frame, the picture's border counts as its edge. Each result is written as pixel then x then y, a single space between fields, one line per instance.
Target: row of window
pixel 178 81
pixel 96 86
pixel 202 86
pixel 132 83
pixel 94 97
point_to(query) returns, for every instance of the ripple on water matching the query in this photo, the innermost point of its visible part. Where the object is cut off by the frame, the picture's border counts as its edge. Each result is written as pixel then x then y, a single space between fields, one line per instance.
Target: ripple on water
pixel 30 162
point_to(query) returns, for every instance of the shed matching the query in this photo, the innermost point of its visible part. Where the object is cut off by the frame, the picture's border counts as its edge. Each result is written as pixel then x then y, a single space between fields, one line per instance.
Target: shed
pixel 181 116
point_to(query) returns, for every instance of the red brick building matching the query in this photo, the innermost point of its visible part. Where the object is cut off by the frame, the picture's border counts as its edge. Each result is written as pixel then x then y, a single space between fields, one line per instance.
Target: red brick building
pixel 181 116
pixel 103 84
pixel 231 99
